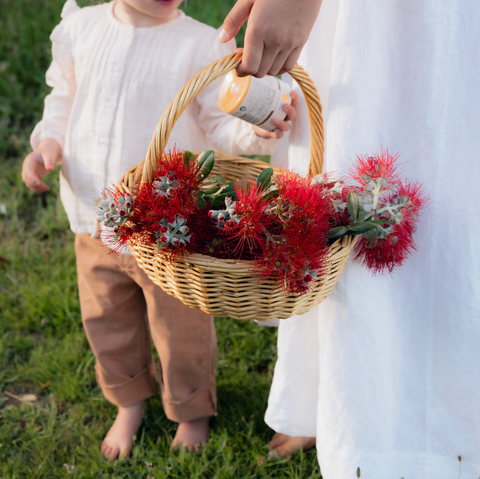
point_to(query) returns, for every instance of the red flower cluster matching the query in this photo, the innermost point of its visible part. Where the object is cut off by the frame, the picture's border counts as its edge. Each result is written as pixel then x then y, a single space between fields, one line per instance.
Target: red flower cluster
pixel 296 251
pixel 282 224
pixel 368 168
pixel 165 211
pixel 400 203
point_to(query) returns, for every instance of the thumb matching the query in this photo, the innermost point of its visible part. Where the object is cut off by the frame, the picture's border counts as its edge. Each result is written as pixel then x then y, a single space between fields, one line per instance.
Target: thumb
pixel 235 19
pixel 49 160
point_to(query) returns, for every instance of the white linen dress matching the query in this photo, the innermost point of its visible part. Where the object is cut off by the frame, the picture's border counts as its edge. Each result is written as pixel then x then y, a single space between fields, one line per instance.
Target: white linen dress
pixel 386 372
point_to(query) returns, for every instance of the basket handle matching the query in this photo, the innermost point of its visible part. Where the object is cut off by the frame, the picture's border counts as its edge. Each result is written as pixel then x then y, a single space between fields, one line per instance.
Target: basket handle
pixel 202 80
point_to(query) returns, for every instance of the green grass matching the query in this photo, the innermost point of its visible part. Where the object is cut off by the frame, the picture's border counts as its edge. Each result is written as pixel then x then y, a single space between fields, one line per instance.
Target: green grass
pixel 43 349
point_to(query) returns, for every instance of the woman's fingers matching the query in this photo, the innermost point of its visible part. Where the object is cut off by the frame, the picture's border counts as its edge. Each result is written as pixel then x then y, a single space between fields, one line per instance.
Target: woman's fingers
pixel 276 33
pixel 235 19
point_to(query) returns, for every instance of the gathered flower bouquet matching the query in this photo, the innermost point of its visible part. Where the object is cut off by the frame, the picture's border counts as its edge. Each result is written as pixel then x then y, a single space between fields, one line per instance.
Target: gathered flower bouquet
pixel 282 222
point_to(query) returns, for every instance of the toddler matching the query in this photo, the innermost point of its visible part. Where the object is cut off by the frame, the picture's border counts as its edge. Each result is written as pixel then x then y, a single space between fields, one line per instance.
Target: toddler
pixel 115 68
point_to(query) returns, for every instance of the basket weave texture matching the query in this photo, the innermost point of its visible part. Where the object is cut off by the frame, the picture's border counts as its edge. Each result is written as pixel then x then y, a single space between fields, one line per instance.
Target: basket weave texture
pixel 225 287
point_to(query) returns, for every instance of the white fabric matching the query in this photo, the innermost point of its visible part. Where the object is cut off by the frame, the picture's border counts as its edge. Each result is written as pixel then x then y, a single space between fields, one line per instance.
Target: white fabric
pixel 386 371
pixel 111 83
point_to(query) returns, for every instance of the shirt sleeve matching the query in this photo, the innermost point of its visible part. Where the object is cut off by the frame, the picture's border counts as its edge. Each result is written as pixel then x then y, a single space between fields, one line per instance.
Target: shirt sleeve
pixel 225 132
pixel 61 77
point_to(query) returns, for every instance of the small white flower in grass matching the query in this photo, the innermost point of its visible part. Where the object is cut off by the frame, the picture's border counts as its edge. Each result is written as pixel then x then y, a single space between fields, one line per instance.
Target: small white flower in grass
pixel 3 209
pixel 69 467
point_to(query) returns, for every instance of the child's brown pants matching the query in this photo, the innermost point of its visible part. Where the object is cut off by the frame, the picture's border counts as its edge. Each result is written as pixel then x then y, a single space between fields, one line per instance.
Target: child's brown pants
pixel 119 305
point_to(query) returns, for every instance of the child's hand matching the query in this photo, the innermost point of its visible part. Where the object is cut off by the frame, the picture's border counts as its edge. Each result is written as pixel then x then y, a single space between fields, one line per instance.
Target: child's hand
pixel 281 126
pixel 40 162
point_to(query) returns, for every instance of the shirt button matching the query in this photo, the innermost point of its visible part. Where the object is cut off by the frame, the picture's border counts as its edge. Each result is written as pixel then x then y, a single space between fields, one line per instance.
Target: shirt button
pixel 116 68
pixel 102 141
pixel 108 105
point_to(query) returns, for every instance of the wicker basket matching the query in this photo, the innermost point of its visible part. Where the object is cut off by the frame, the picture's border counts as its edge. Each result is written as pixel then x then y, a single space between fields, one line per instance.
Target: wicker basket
pixel 224 287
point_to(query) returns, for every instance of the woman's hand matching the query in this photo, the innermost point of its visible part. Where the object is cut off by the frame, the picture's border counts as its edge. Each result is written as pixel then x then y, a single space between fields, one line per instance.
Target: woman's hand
pixel 40 162
pixel 276 32
pixel 281 126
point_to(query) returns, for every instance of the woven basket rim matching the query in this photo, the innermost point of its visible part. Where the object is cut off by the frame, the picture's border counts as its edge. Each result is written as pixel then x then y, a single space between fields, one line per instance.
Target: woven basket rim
pixel 212 259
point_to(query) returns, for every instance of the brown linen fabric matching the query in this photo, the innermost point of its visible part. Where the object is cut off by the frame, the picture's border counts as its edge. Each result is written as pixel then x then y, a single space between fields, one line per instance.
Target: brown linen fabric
pixel 120 307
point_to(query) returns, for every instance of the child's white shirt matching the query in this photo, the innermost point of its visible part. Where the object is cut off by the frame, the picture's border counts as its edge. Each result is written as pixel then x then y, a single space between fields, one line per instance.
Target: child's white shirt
pixel 111 83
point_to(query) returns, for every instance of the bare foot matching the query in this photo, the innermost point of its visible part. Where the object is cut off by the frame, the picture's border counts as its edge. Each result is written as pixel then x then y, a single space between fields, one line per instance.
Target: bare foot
pixel 118 441
pixel 284 446
pixel 192 434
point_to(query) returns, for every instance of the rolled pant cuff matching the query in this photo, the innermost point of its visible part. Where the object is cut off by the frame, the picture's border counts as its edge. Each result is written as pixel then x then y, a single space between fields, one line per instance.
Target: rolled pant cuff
pixel 138 388
pixel 203 403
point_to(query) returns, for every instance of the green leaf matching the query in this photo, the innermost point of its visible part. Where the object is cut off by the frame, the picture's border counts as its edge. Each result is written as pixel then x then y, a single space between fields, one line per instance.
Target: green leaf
pixel 270 195
pixel 201 203
pixel 265 178
pixel 210 186
pixel 188 157
pixel 337 232
pixel 352 205
pixel 203 157
pixel 360 228
pixel 382 222
pixel 370 235
pixel 229 187
pixel 364 215
pixel 207 166
pixel 219 201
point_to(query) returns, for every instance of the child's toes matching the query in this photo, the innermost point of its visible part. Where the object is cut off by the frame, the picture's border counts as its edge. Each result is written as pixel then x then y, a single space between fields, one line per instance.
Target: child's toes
pixel 110 453
pixel 124 453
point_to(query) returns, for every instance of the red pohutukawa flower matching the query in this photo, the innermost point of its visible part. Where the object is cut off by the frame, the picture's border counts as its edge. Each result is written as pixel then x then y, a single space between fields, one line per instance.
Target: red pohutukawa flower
pixel 296 249
pixel 418 199
pixel 380 165
pixel 248 221
pixel 385 254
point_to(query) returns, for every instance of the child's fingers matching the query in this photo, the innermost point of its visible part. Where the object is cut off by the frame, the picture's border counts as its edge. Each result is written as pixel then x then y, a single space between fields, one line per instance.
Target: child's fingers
pixel 277 133
pixel 290 111
pixel 50 151
pixel 274 134
pixel 281 125
pixel 32 170
pixel 35 184
pixel 49 160
pixel 294 97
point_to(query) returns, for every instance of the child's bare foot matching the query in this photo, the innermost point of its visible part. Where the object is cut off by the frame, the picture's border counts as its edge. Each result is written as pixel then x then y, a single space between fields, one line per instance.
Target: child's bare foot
pixel 118 441
pixel 285 446
pixel 192 434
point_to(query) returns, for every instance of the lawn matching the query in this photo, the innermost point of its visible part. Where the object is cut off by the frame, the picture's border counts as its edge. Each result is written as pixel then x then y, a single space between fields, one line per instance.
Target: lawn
pixel 43 348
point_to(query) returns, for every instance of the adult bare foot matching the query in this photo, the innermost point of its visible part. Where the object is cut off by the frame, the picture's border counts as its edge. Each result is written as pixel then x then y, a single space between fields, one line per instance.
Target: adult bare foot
pixel 284 446
pixel 118 441
pixel 192 434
